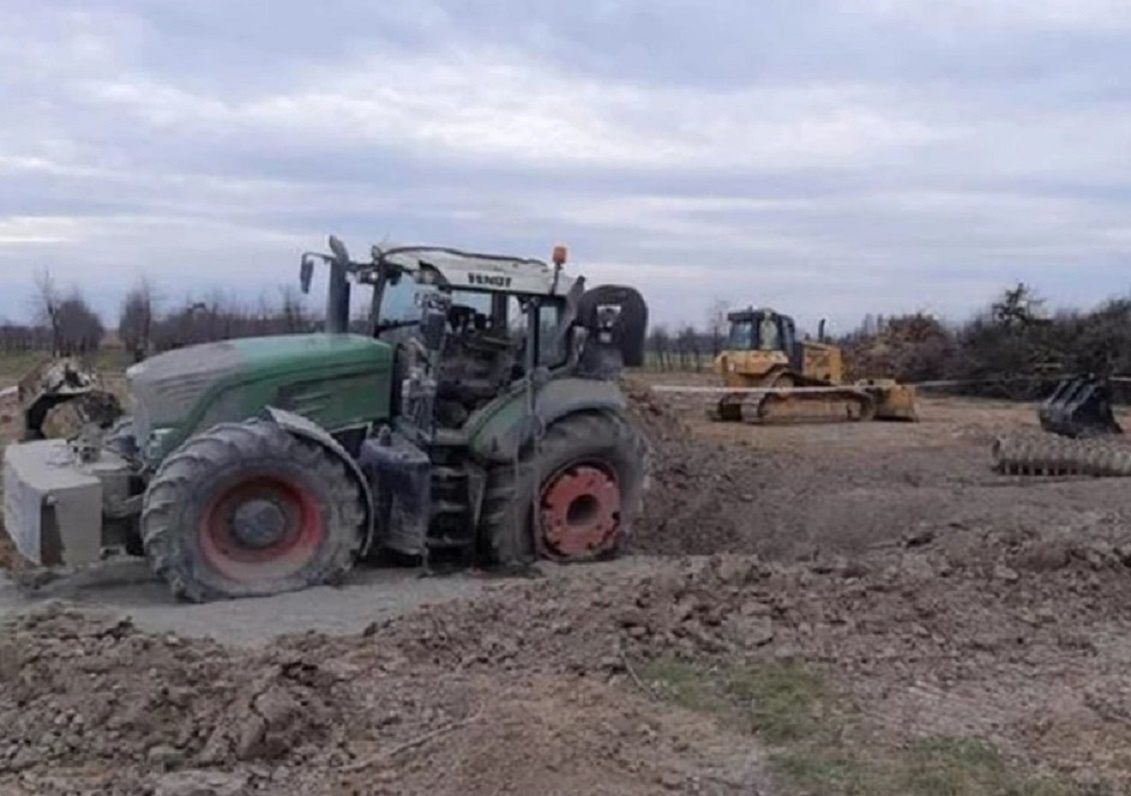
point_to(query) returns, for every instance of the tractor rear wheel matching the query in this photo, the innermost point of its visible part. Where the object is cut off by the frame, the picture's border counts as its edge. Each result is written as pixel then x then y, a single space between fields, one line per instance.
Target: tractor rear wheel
pixel 248 509
pixel 575 501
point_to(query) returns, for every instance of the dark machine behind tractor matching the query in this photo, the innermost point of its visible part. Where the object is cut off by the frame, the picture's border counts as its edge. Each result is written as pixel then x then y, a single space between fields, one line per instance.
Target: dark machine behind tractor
pixel 478 418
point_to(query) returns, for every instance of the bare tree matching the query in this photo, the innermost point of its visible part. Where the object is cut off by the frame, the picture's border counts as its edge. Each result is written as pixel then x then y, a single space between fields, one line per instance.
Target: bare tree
pixel 717 323
pixel 292 314
pixel 659 344
pixel 687 341
pixel 135 323
pixel 47 308
pixel 1018 307
pixel 79 330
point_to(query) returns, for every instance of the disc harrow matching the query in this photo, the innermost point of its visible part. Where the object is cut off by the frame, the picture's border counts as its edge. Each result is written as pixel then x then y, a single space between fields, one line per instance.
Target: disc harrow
pixel 1060 456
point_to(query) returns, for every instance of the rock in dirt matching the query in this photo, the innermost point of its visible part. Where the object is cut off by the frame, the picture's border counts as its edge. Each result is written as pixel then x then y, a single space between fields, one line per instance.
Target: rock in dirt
pixel 197 782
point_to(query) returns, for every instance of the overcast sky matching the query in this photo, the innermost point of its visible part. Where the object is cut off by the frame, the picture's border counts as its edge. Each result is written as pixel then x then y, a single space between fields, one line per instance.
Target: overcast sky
pixel 827 157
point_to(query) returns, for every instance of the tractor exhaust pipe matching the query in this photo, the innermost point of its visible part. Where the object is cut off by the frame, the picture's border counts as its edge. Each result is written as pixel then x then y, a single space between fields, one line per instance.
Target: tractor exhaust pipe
pixel 338 291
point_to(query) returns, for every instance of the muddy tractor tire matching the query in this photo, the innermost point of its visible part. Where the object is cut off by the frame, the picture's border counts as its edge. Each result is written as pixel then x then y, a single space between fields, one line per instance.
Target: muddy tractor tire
pixel 576 501
pixel 247 509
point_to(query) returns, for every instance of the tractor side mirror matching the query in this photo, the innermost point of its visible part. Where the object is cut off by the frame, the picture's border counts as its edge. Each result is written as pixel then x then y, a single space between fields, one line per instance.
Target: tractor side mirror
pixel 305 273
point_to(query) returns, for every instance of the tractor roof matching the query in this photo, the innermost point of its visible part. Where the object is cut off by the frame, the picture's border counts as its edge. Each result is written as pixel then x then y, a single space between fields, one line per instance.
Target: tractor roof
pixel 487 272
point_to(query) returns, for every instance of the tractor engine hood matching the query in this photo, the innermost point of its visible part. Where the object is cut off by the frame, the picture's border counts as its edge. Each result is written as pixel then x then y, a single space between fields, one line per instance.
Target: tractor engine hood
pixel 181 391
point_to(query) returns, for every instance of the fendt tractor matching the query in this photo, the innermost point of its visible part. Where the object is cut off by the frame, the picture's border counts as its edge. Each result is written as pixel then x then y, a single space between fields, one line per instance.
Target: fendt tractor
pixel 478 419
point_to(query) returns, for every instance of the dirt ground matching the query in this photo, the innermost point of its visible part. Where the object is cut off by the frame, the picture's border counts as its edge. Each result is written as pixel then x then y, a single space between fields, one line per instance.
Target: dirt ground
pixel 854 608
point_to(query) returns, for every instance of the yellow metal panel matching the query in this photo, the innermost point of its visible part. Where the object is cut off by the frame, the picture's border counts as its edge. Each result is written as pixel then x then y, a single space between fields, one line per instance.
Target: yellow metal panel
pixel 747 368
pixel 824 362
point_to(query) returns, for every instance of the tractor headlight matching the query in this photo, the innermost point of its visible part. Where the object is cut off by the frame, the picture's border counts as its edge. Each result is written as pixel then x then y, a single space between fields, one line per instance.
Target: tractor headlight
pixel 155 443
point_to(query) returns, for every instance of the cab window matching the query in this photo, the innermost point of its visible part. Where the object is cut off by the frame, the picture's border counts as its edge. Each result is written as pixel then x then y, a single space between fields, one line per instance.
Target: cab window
pixel 551 351
pixel 741 336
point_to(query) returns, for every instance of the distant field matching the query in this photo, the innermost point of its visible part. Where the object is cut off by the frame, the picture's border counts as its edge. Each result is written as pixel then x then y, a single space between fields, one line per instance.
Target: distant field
pixel 676 362
pixel 114 361
pixel 14 365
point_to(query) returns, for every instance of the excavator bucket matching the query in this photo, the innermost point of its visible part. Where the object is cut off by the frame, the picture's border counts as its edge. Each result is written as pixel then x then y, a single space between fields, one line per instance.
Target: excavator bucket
pixel 1080 406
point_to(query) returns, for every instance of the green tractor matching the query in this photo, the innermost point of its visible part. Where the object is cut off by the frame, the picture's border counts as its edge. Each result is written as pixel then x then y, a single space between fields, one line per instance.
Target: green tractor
pixel 477 420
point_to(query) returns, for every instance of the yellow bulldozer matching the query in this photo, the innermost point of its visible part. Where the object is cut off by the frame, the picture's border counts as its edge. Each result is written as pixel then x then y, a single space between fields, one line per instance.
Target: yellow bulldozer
pixel 779 378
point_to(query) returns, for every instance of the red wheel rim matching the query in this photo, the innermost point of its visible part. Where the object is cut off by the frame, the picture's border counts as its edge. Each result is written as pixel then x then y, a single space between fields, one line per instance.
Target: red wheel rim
pixel 296 528
pixel 580 511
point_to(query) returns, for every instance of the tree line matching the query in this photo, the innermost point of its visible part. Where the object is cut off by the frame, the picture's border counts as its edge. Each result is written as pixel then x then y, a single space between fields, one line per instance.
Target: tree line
pixel 65 324
pixel 1012 348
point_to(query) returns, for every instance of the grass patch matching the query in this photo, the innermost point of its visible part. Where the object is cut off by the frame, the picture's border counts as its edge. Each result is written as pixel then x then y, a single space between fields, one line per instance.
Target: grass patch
pixel 775 701
pixel 960 766
pixel 14 365
pixel 780 702
pixel 808 731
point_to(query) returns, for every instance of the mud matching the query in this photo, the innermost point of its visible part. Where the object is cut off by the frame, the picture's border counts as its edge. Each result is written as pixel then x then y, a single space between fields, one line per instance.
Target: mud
pixel 939 599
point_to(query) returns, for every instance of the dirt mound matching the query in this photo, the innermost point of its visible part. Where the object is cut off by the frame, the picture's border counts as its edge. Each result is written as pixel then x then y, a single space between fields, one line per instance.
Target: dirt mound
pixel 91 705
pixel 937 637
pixel 699 491
pixel 589 625
pixel 538 685
pixel 656 417
pixel 10 558
pixel 82 691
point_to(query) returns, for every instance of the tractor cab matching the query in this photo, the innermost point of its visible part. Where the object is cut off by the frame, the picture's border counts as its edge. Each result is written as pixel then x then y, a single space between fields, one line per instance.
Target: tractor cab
pixel 476 324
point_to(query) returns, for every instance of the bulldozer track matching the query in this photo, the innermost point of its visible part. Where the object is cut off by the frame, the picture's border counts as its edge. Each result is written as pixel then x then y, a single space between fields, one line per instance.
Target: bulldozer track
pixel 1059 456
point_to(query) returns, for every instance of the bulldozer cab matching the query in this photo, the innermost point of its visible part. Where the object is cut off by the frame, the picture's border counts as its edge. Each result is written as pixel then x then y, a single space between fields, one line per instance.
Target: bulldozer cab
pixel 763 344
pixel 761 330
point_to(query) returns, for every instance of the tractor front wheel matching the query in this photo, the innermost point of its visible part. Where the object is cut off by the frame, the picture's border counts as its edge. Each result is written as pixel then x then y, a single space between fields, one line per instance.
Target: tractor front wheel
pixel 248 509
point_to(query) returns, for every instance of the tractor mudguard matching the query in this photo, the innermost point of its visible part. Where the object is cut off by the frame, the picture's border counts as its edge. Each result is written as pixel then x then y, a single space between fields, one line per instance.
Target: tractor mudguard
pixel 307 429
pixel 499 432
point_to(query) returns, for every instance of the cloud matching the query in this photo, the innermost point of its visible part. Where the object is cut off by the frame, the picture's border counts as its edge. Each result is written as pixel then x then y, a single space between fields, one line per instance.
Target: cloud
pixel 492 104
pixel 1071 15
pixel 28 230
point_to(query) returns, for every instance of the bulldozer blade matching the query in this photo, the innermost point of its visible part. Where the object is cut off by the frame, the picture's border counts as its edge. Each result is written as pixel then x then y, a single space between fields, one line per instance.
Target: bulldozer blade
pixel 893 401
pixel 1080 406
